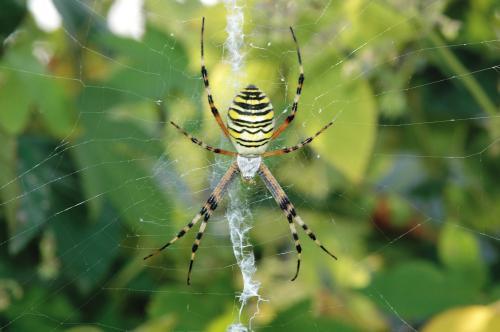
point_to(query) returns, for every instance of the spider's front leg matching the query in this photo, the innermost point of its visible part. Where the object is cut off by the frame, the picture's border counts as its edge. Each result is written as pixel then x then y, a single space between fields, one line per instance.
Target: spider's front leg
pixel 289 210
pixel 201 143
pixel 298 146
pixel 204 74
pixel 300 83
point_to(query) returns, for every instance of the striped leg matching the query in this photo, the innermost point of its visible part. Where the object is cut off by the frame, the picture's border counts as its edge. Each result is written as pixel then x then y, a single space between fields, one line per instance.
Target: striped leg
pixel 204 73
pixel 182 232
pixel 298 146
pixel 206 212
pixel 282 200
pixel 295 105
pixel 200 143
pixel 212 203
pixel 289 210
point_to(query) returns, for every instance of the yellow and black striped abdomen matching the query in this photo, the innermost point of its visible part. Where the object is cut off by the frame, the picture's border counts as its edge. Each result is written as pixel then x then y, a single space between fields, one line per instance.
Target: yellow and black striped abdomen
pixel 251 121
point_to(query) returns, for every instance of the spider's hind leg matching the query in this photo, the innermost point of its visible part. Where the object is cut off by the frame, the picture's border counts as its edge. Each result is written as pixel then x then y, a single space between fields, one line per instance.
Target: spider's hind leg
pixel 181 233
pixel 289 210
pixel 311 234
pixel 212 203
pixel 206 212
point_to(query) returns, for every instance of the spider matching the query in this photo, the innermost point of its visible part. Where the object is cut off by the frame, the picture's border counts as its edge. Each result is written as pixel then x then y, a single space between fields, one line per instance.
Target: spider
pixel 250 127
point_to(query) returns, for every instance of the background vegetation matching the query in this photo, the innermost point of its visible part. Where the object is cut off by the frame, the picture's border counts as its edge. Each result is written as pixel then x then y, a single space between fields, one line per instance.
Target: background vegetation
pixel 403 188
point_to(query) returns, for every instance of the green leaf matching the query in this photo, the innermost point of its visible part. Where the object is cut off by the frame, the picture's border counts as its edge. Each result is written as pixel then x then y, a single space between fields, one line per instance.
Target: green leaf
pixel 150 69
pixel 97 242
pixel 53 105
pixel 33 203
pixel 14 106
pixel 9 186
pixel 173 302
pixel 164 323
pixel 299 318
pixel 418 289
pixel 84 328
pixel 12 13
pixel 474 318
pixel 118 158
pixel 40 310
pixel 370 22
pixel 75 16
pixel 459 250
pixel 29 84
pixel 348 144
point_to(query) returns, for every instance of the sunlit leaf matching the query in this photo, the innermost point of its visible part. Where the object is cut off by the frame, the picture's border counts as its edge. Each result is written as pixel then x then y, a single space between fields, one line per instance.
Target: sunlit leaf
pixel 459 250
pixel 35 88
pixel 222 322
pixel 479 318
pixel 54 106
pixel 347 145
pixel 370 20
pixel 164 323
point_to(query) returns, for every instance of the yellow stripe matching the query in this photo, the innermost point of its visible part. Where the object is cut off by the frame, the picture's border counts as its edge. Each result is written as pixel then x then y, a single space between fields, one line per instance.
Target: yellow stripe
pixel 264 100
pixel 251 118
pixel 240 100
pixel 234 133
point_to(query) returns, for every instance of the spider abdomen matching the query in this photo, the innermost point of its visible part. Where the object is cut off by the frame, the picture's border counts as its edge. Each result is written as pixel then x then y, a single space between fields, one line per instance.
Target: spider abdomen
pixel 251 121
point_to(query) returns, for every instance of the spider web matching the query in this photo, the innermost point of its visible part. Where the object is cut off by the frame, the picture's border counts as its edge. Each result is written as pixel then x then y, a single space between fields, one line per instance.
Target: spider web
pixel 112 181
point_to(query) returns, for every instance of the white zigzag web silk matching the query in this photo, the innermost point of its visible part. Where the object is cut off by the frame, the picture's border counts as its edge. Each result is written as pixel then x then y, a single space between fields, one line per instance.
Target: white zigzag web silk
pixel 238 213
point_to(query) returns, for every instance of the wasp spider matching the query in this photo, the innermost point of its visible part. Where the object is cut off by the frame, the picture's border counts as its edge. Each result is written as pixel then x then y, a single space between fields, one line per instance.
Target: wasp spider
pixel 250 127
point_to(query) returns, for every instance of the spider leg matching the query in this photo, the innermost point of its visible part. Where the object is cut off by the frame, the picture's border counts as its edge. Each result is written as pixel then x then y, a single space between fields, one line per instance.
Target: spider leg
pixel 212 202
pixel 200 143
pixel 289 210
pixel 295 105
pixel 206 212
pixel 182 232
pixel 204 73
pixel 298 146
pixel 278 194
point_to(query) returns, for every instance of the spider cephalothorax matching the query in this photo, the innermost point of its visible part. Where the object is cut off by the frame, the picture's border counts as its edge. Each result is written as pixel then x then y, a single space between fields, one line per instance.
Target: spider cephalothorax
pixel 250 127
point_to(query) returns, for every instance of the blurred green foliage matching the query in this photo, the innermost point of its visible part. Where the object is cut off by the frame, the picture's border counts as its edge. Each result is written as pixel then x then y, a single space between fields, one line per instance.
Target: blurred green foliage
pixel 92 178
